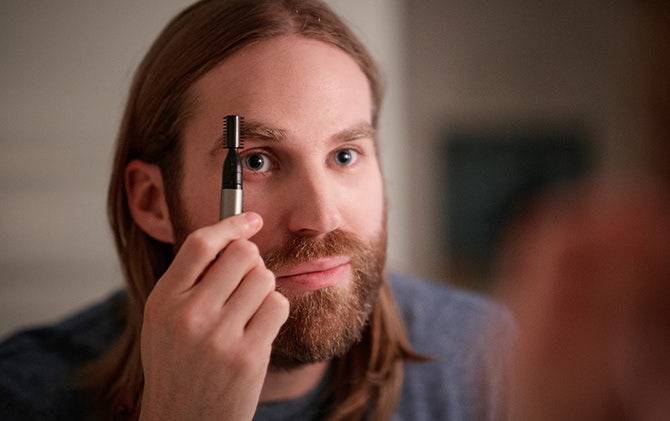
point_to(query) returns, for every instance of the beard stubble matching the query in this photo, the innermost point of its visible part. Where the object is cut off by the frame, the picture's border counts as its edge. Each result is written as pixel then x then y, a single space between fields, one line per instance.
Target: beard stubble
pixel 325 323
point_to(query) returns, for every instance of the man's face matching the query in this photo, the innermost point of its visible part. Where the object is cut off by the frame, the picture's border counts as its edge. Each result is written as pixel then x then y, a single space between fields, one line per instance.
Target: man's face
pixel 311 171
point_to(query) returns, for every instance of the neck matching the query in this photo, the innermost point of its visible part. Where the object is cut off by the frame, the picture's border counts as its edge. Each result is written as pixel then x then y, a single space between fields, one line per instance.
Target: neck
pixel 283 385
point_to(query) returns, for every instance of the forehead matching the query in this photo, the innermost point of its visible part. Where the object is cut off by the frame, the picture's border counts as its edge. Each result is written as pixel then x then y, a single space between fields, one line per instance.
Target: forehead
pixel 289 80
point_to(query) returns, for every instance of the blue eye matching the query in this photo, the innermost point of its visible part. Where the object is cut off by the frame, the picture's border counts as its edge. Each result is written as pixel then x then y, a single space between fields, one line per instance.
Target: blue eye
pixel 346 157
pixel 257 162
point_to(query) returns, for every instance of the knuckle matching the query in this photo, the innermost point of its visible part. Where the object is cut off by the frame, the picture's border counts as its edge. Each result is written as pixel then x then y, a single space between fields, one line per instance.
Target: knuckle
pixel 263 278
pixel 244 252
pixel 201 242
pixel 267 279
pixel 242 358
pixel 218 346
pixel 188 321
pixel 279 303
pixel 247 248
pixel 233 354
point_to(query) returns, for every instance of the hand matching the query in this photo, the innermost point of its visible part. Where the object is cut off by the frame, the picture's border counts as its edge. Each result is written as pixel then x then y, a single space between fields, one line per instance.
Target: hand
pixel 209 325
pixel 587 275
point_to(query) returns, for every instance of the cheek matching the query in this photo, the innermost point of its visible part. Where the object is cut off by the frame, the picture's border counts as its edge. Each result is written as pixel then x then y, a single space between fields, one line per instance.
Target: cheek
pixel 368 208
pixel 265 202
pixel 200 193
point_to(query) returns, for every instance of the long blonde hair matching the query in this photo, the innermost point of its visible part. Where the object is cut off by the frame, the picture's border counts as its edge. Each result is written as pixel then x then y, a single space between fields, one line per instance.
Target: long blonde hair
pixel 369 378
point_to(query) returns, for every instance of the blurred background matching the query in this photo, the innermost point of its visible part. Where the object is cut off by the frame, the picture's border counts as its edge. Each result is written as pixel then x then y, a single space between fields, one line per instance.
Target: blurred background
pixel 488 105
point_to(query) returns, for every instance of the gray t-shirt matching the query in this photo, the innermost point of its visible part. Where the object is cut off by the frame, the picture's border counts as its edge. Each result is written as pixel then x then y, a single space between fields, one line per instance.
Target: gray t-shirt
pixel 469 337
pixel 467 334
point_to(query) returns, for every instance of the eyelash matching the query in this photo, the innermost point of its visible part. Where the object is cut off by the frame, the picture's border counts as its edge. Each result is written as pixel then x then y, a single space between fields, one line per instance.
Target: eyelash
pixel 353 152
pixel 265 155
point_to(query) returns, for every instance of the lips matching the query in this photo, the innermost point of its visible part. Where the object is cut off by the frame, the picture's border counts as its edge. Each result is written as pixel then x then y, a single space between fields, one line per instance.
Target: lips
pixel 315 274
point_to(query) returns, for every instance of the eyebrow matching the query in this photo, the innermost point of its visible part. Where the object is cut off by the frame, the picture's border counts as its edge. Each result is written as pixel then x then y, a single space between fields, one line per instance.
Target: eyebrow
pixel 253 129
pixel 259 131
pixel 360 131
pixel 256 130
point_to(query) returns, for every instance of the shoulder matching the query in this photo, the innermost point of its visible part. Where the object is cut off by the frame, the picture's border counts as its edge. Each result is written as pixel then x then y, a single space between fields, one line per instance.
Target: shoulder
pixel 37 365
pixel 413 291
pixel 468 336
pixel 438 315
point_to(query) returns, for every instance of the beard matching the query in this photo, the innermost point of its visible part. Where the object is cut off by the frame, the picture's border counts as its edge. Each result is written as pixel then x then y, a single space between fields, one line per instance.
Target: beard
pixel 324 323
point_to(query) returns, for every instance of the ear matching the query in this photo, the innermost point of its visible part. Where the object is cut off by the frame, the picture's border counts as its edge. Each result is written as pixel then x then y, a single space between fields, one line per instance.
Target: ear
pixel 146 200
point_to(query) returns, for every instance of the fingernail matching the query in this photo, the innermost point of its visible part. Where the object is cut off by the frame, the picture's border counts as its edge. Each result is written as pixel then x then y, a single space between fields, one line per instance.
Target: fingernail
pixel 253 220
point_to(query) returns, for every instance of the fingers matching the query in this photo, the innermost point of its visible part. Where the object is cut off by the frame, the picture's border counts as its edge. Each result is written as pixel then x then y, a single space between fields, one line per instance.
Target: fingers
pixel 269 318
pixel 237 262
pixel 249 296
pixel 202 246
pixel 209 325
pixel 218 282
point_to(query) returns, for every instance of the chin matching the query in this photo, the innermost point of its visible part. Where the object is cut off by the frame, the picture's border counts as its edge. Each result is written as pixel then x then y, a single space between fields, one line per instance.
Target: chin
pixel 323 324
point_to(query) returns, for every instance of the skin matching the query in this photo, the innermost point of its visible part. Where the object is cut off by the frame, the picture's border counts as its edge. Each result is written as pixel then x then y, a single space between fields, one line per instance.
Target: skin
pixel 210 322
pixel 586 273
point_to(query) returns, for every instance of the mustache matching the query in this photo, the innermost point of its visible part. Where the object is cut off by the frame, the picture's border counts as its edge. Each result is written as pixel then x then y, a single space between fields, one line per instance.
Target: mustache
pixel 300 249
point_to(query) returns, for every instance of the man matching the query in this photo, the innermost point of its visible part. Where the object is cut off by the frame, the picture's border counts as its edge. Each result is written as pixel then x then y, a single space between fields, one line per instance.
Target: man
pixel 284 311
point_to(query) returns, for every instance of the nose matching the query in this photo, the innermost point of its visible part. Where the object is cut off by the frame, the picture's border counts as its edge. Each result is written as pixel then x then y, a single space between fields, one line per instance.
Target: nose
pixel 315 207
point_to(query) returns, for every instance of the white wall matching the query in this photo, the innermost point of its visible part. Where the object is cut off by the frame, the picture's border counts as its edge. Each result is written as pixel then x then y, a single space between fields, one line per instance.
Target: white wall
pixel 66 67
pixel 65 72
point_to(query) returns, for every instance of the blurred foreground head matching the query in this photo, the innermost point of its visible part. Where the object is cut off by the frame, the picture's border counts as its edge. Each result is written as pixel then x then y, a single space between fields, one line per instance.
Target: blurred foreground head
pixel 587 273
